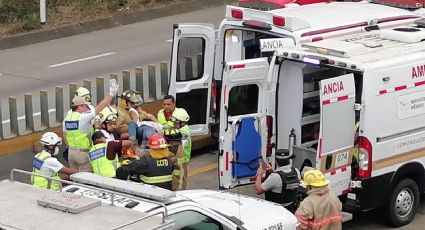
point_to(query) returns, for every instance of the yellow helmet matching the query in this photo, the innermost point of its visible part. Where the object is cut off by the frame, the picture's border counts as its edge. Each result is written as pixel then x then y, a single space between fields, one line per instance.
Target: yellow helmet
pixel 108 114
pixel 180 114
pixel 84 93
pixel 314 178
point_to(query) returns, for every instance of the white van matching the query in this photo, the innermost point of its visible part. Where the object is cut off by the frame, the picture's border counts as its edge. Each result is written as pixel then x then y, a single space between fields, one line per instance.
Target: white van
pixel 212 77
pixel 322 89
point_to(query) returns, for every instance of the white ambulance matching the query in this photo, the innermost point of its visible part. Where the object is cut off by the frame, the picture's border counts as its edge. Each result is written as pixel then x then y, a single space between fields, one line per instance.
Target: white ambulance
pixel 322 89
pixel 212 77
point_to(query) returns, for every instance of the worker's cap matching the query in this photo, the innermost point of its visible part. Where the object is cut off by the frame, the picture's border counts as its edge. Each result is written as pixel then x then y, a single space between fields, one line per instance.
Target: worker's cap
pixel 97 135
pixel 77 100
pixel 314 178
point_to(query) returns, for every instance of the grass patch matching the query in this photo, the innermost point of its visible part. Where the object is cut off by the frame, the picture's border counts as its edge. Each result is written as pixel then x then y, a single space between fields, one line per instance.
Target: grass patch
pixel 18 16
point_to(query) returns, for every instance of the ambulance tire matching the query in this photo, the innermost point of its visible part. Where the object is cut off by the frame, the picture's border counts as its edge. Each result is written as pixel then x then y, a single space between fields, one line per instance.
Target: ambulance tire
pixel 403 203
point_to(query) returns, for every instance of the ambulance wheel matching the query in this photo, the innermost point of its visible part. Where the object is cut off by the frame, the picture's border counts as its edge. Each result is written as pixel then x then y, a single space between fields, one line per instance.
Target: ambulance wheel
pixel 403 203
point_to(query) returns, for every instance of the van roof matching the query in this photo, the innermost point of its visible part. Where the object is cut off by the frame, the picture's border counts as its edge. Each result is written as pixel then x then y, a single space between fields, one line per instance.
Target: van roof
pixel 342 13
pixel 366 50
pixel 20 210
pixel 325 18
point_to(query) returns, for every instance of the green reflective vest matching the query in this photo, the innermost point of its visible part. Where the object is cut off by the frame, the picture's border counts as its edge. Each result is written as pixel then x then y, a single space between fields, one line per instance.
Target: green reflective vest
pixel 74 137
pixel 163 121
pixel 100 163
pixel 186 142
pixel 37 162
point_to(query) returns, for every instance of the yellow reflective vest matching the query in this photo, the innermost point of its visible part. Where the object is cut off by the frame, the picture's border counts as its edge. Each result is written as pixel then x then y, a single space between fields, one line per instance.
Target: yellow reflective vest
pixel 100 163
pixel 163 121
pixel 74 137
pixel 37 163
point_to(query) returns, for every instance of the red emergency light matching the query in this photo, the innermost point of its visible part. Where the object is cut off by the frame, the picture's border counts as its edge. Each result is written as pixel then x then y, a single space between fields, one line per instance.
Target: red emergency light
pixel 238 14
pixel 278 21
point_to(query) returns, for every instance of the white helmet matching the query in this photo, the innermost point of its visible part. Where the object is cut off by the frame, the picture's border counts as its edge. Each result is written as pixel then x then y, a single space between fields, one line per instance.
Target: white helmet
pixel 50 138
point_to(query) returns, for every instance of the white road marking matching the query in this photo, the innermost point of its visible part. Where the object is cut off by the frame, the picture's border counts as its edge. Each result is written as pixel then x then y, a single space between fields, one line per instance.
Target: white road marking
pixel 82 59
pixel 23 117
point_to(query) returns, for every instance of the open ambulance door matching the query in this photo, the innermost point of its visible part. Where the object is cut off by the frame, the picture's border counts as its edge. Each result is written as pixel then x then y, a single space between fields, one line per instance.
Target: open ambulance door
pixel 192 64
pixel 243 121
pixel 336 137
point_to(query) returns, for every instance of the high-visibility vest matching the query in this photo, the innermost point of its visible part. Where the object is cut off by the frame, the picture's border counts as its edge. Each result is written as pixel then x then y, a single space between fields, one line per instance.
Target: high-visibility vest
pixel 37 163
pixel 163 121
pixel 100 163
pixel 186 142
pixel 159 173
pixel 74 137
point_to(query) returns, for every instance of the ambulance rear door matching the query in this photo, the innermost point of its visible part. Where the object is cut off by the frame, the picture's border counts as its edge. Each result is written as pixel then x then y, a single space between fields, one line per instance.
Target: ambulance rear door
pixel 192 65
pixel 336 137
pixel 243 121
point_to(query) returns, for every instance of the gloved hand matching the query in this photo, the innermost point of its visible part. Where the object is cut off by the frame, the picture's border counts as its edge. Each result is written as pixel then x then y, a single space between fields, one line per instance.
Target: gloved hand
pixel 113 87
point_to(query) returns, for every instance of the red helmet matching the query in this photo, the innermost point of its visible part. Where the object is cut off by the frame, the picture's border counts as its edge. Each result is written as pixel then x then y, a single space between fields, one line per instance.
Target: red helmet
pixel 157 141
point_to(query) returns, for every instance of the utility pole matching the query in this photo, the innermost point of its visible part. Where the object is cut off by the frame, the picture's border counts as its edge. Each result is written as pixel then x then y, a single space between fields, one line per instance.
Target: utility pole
pixel 42 12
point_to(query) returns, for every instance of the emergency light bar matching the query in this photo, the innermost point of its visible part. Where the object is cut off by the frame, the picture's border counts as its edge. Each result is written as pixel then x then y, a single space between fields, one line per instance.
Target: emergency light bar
pixel 137 189
pixel 265 18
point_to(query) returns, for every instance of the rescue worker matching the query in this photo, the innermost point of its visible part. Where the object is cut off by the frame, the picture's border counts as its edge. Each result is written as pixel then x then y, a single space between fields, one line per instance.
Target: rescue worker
pixel 165 114
pixel 77 127
pixel 281 186
pixel 155 167
pixel 180 121
pixel 84 93
pixel 45 163
pixel 129 113
pixel 104 155
pixel 108 122
pixel 321 209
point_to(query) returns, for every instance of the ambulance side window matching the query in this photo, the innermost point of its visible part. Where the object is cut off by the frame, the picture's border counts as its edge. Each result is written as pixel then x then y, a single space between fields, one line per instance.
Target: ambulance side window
pixel 191 220
pixel 243 100
pixel 190 59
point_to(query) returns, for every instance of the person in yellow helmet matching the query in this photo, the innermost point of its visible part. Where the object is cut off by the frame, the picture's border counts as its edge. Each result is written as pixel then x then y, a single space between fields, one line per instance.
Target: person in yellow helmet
pixel 45 163
pixel 108 122
pixel 77 127
pixel 180 119
pixel 321 209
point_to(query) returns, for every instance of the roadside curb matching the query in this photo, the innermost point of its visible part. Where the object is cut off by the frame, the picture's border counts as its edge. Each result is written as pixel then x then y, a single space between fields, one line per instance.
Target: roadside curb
pixel 105 23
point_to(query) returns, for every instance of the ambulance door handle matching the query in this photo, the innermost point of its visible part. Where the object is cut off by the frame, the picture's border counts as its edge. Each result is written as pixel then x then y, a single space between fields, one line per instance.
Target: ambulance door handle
pixel 227 119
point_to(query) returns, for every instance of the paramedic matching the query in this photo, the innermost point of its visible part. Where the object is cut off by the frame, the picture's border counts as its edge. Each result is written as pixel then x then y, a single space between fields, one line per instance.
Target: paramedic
pixel 45 163
pixel 180 120
pixel 104 155
pixel 168 107
pixel 281 186
pixel 155 167
pixel 108 122
pixel 77 127
pixel 321 209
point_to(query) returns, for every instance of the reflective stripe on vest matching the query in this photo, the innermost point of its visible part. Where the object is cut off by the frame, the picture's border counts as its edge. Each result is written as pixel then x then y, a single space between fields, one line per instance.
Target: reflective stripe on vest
pixel 100 163
pixel 74 137
pixel 37 163
pixel 155 179
pixel 163 121
pixel 187 142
